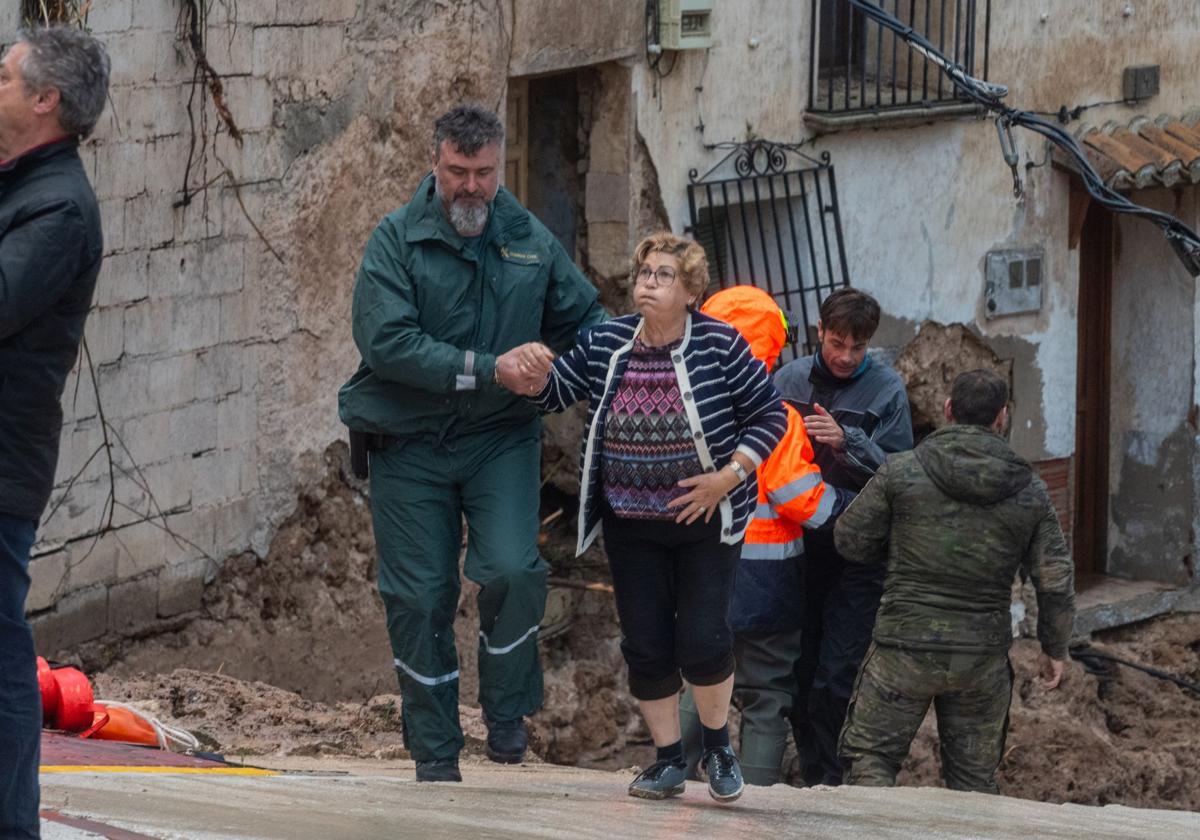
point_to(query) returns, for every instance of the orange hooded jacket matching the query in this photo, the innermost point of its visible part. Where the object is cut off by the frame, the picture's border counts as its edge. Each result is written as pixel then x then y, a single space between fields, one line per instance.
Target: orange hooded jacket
pixel 792 495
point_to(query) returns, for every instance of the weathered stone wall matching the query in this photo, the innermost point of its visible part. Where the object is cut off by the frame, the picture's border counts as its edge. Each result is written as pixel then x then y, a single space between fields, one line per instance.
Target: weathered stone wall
pixel 217 364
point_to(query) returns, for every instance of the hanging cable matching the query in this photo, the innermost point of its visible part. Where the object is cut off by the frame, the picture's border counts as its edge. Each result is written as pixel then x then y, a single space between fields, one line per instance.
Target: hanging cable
pixel 1182 239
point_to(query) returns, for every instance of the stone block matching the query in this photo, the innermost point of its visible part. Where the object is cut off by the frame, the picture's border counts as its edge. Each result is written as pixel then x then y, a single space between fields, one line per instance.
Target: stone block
pixel 252 12
pixel 149 221
pixel 217 477
pixel 251 100
pixel 154 17
pixel 119 169
pixel 315 11
pixel 172 380
pixel 77 445
pixel 241 318
pixel 132 604
pixel 81 510
pixel 137 504
pixel 248 477
pixel 219 370
pixel 77 617
pixel 607 197
pixel 104 332
pixel 150 111
pixel 47 575
pixel 194 529
pixel 123 279
pixel 299 51
pixel 231 53
pixel 110 16
pixel 609 248
pixel 144 547
pixel 78 399
pixel 147 437
pixel 260 157
pixel 112 223
pixel 93 560
pixel 234 525
pixel 171 325
pixel 137 55
pixel 194 428
pixel 124 390
pixel 256 199
pixel 237 420
pixel 202 218
pixel 165 158
pixel 181 587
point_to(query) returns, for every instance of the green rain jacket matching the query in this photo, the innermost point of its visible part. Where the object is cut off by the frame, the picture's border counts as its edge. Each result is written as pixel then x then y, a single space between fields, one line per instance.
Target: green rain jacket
pixel 433 310
pixel 954 519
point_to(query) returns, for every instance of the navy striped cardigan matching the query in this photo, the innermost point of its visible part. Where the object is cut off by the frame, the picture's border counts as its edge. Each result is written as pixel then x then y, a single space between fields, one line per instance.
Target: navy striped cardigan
pixel 728 397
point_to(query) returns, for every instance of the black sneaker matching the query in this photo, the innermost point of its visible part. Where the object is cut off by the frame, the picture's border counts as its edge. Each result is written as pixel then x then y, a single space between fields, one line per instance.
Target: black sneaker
pixel 507 740
pixel 724 774
pixel 438 770
pixel 660 780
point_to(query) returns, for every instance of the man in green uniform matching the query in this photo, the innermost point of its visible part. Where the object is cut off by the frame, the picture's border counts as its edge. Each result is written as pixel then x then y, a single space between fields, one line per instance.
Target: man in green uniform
pixel 449 284
pixel 953 519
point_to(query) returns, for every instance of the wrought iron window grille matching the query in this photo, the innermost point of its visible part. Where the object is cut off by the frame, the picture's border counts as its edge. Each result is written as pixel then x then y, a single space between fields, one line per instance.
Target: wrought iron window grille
pixel 767 215
pixel 859 67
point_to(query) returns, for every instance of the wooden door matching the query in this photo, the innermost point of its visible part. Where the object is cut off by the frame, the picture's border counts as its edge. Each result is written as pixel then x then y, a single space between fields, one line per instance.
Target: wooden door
pixel 516 148
pixel 1093 392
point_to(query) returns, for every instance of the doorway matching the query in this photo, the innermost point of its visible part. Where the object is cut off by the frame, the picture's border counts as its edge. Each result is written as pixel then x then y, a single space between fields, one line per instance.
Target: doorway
pixel 1093 394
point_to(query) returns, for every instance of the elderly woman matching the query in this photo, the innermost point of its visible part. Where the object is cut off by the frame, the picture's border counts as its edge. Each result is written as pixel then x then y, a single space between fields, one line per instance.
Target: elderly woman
pixel 680 416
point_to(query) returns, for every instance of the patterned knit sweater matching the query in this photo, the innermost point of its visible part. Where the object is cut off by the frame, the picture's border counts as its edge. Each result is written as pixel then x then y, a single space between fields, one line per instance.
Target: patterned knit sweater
pixel 730 403
pixel 648 444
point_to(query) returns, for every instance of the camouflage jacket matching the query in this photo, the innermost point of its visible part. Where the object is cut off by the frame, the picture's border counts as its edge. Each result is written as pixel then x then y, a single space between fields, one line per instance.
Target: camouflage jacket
pixel 954 518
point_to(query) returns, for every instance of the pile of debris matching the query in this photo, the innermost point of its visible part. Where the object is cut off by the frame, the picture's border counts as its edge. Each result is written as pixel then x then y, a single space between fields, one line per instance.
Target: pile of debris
pixel 291 657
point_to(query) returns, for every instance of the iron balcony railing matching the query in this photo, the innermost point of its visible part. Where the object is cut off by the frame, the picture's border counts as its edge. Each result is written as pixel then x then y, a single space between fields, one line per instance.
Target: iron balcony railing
pixel 858 66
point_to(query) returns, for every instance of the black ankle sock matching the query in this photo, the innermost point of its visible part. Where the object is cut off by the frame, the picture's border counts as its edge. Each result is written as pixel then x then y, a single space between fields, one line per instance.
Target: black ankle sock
pixel 713 738
pixel 671 752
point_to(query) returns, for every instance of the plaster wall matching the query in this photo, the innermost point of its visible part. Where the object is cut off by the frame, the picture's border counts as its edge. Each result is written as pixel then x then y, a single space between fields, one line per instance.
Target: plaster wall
pixel 1152 445
pixel 921 206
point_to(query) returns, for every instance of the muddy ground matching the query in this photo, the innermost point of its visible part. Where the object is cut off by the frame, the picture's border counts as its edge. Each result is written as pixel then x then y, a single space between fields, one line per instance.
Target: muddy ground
pixel 290 657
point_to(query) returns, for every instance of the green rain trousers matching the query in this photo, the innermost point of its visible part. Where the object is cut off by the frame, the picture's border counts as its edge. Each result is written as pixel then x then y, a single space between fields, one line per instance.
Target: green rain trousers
pixel 419 496
pixel 970 692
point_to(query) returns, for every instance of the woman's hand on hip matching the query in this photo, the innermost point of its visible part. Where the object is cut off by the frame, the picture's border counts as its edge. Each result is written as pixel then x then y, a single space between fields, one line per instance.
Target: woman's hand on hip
pixel 706 492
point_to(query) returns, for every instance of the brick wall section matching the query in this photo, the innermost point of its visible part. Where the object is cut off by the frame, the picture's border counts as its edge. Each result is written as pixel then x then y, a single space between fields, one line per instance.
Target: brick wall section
pixel 1058 474
pixel 176 321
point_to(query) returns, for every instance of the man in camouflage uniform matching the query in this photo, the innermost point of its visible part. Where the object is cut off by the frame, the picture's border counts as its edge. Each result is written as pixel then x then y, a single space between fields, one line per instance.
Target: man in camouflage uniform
pixel 953 519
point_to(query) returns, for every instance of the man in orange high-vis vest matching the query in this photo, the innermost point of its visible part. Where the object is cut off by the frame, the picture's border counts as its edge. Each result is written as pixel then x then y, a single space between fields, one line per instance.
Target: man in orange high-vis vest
pixel 765 613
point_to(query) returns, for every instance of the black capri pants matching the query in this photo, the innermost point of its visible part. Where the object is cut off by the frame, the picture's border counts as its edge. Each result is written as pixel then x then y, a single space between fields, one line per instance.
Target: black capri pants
pixel 673 584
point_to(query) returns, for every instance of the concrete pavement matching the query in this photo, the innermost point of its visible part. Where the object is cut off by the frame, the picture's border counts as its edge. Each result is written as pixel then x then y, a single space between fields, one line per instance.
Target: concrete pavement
pixel 361 800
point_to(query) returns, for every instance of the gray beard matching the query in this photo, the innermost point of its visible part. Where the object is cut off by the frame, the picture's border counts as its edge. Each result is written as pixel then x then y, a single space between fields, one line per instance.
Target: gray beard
pixel 466 216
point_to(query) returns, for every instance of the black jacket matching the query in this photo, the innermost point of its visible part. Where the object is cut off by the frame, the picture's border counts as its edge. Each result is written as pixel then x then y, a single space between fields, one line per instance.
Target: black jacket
pixel 871 407
pixel 50 250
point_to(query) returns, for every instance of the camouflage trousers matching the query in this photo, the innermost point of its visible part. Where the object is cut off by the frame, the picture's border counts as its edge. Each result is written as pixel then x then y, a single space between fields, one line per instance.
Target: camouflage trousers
pixel 970 694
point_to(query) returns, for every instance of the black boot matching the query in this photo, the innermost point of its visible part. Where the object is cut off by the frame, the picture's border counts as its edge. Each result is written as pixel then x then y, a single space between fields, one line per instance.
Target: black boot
pixel 438 770
pixel 507 740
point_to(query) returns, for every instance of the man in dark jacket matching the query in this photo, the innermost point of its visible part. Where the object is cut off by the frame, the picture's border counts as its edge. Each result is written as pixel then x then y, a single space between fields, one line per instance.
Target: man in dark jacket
pixel 952 521
pixel 856 412
pixel 53 85
pixel 449 285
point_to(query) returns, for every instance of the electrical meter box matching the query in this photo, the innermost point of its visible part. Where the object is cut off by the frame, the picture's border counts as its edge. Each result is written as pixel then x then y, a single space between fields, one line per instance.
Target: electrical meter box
pixel 1013 282
pixel 685 24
